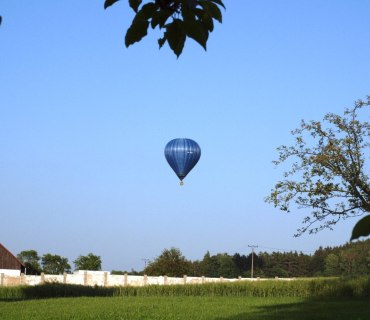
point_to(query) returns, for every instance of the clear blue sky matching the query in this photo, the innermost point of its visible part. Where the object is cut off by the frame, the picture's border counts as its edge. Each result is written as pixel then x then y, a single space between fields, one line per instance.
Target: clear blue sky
pixel 84 121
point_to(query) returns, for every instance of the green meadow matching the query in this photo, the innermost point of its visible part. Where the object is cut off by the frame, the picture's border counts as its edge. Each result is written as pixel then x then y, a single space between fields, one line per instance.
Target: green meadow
pixel 186 307
pixel 300 299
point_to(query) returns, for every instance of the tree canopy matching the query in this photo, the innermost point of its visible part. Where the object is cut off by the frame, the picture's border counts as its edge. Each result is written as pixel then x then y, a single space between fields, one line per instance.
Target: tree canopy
pixel 178 18
pixel 31 260
pixel 350 259
pixel 88 262
pixel 171 262
pixel 54 264
pixel 327 173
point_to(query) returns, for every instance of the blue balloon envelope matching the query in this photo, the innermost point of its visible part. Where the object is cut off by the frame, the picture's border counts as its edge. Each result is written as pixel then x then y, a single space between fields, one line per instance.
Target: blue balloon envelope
pixel 182 155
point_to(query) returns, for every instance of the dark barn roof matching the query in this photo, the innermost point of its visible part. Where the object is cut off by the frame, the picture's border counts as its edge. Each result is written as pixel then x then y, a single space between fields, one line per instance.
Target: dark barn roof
pixel 8 260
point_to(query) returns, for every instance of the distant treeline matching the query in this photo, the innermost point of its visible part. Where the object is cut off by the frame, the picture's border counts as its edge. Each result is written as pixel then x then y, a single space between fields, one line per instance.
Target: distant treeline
pixel 351 259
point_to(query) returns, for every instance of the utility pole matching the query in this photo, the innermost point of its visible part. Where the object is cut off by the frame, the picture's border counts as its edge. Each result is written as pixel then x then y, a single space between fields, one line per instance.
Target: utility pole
pixel 145 262
pixel 252 246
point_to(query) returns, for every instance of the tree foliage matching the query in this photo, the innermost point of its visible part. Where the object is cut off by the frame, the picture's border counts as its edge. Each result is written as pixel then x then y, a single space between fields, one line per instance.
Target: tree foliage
pixel 54 264
pixel 171 262
pixel 351 259
pixel 88 262
pixel 328 171
pixel 332 265
pixel 31 260
pixel 178 18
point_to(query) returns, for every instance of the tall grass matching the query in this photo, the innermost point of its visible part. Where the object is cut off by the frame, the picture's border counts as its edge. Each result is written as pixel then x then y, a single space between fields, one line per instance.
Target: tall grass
pixel 359 287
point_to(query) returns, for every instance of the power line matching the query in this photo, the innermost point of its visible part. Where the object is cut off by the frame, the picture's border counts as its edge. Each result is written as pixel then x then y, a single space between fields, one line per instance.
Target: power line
pixel 145 262
pixel 286 250
pixel 242 248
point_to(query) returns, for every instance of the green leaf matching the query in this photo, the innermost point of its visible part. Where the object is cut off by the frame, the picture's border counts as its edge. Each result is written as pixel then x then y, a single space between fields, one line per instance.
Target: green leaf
pixel 219 2
pixel 146 12
pixel 197 31
pixel 362 228
pixel 207 21
pixel 176 36
pixel 108 3
pixel 212 9
pixel 160 17
pixel 140 24
pixel 137 31
pixel 187 13
pixel 162 41
pixel 134 4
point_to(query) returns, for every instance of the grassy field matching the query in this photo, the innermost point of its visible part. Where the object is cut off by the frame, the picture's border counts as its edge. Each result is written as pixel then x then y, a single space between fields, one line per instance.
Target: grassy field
pixel 202 308
pixel 339 299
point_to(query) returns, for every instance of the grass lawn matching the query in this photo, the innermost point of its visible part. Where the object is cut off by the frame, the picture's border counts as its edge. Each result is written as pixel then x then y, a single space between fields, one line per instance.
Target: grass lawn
pixel 217 308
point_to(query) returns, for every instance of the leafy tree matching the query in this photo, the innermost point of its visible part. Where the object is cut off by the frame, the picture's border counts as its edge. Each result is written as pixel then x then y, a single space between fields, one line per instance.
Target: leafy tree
pixel 132 272
pixel 54 264
pixel 31 260
pixel 89 262
pixel 210 266
pixel 332 265
pixel 276 271
pixel 274 264
pixel 171 263
pixel 303 265
pixel 317 263
pixel 241 262
pixel 348 262
pixel 178 18
pixel 196 269
pixel 227 267
pixel 327 172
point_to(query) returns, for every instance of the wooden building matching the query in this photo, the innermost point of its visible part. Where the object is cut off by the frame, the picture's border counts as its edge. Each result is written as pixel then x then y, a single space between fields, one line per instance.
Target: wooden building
pixel 9 262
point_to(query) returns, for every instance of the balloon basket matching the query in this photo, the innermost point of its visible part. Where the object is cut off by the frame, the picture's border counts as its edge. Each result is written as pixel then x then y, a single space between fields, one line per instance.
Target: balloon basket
pixel 181 183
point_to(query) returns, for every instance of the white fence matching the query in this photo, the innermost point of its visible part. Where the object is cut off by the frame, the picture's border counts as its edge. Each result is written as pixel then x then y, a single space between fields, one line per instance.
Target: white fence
pixel 104 278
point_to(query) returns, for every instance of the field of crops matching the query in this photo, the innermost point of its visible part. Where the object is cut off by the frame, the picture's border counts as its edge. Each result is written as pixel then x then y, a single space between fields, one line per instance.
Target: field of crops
pixel 302 299
pixel 185 308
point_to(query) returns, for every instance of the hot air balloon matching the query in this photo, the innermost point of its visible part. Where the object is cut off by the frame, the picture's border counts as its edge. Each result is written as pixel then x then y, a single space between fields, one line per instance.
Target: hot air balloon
pixel 182 155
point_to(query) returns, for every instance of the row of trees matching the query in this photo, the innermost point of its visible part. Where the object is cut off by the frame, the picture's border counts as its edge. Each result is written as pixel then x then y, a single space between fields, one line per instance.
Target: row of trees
pixel 56 264
pixel 351 259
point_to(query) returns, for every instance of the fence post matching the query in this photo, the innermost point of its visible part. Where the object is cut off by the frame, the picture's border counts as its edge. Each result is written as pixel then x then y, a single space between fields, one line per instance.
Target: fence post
pixel 105 278
pixel 165 280
pixel 145 279
pixel 85 278
pixel 239 278
pixel 42 280
pixel 203 279
pixel 21 279
pixel 185 278
pixel 221 279
pixel 2 279
pixel 125 282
